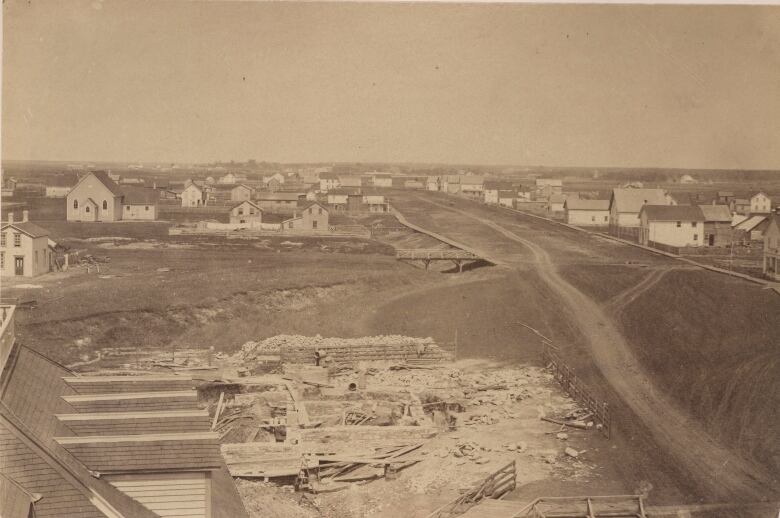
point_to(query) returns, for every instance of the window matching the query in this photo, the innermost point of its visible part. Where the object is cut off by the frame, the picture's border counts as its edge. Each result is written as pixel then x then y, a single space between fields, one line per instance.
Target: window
pixel 2 260
pixel 693 224
pixel 105 205
pixel 679 224
pixel 146 207
pixel 593 219
pixel 314 224
pixel 311 211
pixel 2 239
pixel 240 211
pixel 606 218
pixel 86 208
pixel 320 212
pixel 75 204
pixel 128 207
pixel 17 240
pixel 696 237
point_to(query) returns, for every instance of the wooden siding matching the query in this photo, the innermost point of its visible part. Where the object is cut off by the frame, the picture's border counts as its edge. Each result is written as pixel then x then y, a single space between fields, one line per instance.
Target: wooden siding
pixel 168 494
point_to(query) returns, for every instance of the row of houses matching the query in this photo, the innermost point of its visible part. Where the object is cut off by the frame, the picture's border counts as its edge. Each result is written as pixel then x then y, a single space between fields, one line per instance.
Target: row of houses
pixel 311 217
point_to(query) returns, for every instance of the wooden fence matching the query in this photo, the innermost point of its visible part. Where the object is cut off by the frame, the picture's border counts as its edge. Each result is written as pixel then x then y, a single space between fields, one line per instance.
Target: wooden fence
pixel 574 387
pixel 495 485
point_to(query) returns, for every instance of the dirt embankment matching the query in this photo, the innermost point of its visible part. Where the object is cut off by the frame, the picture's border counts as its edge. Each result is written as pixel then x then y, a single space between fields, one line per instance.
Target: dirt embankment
pixel 718 472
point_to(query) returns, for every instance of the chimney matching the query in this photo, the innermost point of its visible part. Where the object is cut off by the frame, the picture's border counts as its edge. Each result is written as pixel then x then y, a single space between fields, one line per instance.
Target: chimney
pixel 25 216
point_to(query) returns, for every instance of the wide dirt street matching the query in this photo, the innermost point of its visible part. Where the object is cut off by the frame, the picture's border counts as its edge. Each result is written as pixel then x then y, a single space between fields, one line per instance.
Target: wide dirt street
pixel 520 242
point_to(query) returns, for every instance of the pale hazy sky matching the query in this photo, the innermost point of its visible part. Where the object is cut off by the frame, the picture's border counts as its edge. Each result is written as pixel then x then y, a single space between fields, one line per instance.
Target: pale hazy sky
pixel 664 86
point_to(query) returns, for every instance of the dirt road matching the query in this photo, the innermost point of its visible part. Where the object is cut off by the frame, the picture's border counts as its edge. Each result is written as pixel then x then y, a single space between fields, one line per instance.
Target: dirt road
pixel 720 473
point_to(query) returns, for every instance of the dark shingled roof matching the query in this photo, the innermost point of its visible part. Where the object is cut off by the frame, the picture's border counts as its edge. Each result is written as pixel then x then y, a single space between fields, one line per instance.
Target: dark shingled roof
pixel 673 213
pixel 135 195
pixel 33 411
pixel 123 454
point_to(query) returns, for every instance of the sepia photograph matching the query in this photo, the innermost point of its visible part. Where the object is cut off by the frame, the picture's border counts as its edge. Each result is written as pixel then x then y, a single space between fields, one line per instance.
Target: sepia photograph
pixel 381 259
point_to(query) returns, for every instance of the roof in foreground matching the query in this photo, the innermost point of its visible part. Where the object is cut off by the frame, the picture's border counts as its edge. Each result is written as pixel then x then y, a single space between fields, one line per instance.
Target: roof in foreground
pixel 673 213
pixel 51 448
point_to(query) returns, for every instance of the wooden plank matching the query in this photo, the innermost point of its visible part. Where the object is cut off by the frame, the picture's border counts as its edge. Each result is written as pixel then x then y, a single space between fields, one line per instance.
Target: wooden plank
pixel 218 410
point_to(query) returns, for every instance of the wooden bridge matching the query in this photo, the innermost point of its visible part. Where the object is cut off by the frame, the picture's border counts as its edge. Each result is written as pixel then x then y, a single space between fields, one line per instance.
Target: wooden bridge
pixel 456 255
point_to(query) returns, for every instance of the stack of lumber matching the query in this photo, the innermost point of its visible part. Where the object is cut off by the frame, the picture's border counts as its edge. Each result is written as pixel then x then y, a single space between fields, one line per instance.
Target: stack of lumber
pixel 300 349
pixel 361 352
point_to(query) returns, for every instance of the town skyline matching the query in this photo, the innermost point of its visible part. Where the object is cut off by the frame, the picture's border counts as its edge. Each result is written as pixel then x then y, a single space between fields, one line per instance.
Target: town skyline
pixel 537 86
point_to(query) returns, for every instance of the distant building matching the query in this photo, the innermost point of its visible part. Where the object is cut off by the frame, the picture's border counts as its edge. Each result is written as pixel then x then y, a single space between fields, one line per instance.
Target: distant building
pixel 740 206
pixel 314 217
pixel 472 186
pixel 193 195
pixel 624 207
pixel 329 181
pixel 671 225
pixel 546 187
pixel 555 203
pixel 433 183
pixel 751 228
pixel 139 203
pixel 226 194
pixel 490 191
pixel 376 203
pixel 96 197
pixel 586 213
pixel 717 225
pixel 24 248
pixel 231 178
pixel 350 181
pixel 724 197
pixel 772 248
pixel 760 203
pixel 414 184
pixel 382 179
pixel 277 201
pixel 246 212
pixel 57 191
pixel 506 198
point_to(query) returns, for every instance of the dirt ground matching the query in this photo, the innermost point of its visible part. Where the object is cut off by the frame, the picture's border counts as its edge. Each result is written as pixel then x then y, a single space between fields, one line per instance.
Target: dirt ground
pixel 554 251
pixel 163 293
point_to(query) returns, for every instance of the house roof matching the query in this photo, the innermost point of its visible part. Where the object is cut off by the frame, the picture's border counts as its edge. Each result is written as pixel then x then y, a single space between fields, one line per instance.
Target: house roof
pixel 277 196
pixel 134 195
pixel 344 191
pixel 672 213
pixel 106 180
pixel 506 194
pixel 253 204
pixel 750 223
pixel 494 185
pixel 557 198
pixel 50 447
pixel 163 451
pixel 716 213
pixel 329 176
pixel 631 200
pixel 26 227
pixel 469 179
pixel 582 204
pixel 318 204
